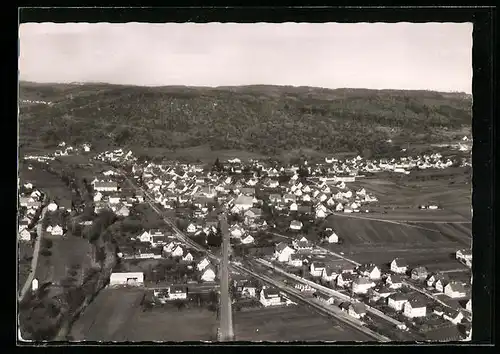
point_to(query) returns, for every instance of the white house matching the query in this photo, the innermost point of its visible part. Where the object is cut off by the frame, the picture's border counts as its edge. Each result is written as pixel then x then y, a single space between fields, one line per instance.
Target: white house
pixel 296 225
pixel 454 290
pixel 114 199
pixel 177 251
pixel 107 186
pixel 145 237
pixel 361 285
pixel 52 206
pixel 236 231
pixel 394 281
pixel 415 308
pixel 243 203
pixel 468 305
pixel 283 252
pixel 317 268
pixel 270 297
pixel 329 274
pixel 191 228
pixel 131 279
pixel 203 264
pixel 295 260
pixel 293 207
pixel 57 231
pixel 187 257
pixel 397 301
pixel 371 271
pixel 247 240
pixel 177 292
pixel 440 284
pixel 24 235
pixel 344 279
pixel 332 237
pixel 97 197
pixel 208 274
pixel 399 266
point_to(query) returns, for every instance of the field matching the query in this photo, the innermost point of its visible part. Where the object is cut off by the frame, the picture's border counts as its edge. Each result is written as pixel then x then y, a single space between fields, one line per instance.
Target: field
pixel 65 252
pixel 45 181
pixel 116 315
pixel 357 231
pixel 290 323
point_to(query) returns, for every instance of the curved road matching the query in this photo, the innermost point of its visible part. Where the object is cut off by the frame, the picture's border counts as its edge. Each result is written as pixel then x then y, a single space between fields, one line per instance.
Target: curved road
pixel 36 253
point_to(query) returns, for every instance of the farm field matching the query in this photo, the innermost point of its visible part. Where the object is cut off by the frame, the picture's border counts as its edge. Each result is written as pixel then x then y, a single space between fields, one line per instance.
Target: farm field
pixel 24 256
pixel 65 252
pixel 116 315
pixel 289 323
pixel 356 231
pixel 45 181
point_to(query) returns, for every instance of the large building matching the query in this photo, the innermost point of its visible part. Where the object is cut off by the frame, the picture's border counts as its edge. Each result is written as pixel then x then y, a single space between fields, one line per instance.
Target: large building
pixel 130 279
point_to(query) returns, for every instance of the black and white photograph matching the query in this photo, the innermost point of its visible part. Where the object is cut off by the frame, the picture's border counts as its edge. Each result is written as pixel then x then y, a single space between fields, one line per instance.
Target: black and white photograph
pixel 245 182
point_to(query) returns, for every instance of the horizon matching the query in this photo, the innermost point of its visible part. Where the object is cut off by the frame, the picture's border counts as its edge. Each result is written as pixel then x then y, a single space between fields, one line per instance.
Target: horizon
pixel 376 56
pixel 231 86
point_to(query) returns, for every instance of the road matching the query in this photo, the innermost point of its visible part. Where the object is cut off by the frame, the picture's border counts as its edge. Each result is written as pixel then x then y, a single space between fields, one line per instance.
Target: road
pixel 226 332
pixel 34 260
pixel 291 292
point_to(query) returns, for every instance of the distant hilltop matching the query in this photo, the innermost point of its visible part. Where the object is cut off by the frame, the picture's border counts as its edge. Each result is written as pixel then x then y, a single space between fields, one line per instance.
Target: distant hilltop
pixel 258 118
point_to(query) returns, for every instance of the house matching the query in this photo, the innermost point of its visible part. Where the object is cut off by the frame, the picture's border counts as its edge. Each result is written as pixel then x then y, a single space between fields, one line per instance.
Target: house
pixel 453 316
pixel 247 240
pixel 441 283
pixel 332 237
pixel 283 252
pixel 24 235
pixel 208 274
pixel 187 256
pixel 317 268
pixel 320 214
pixel 128 279
pixel 203 264
pixel 106 186
pixel 344 279
pixel 191 228
pixel 275 198
pixel 357 310
pixel 293 207
pixel 296 225
pixel 253 213
pixel 394 281
pixel 419 273
pixel 397 301
pixel 178 251
pixel 114 199
pixel 302 244
pixel 145 237
pixel 465 255
pixel 468 305
pixel 295 260
pixel 415 308
pixel 454 290
pixel 361 285
pixel 243 203
pixel 123 211
pixel 370 270
pixel 177 292
pixel 270 297
pixel 52 206
pixel 328 299
pixel 57 231
pixel 236 231
pixel 329 274
pixel 382 292
pixel 432 280
pixel 399 266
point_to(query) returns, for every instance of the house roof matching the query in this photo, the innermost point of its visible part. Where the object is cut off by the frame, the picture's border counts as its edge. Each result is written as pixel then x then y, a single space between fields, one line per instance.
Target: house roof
pixel 347 276
pixel 318 264
pixel 243 200
pixel 455 286
pixel 281 246
pixel 400 262
pixel 268 292
pixel 417 303
pixel 178 289
pixel 362 281
pixel 398 297
pixel 296 223
pixel 395 278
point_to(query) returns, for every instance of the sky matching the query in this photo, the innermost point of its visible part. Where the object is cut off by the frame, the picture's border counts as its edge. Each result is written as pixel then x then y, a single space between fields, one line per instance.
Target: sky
pixel 428 56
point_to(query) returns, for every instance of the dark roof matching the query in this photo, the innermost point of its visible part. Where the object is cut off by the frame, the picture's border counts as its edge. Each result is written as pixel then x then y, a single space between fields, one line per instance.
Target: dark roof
pixel 358 307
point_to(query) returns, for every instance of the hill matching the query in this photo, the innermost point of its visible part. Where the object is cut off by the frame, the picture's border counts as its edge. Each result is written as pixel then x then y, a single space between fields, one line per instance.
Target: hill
pixel 262 119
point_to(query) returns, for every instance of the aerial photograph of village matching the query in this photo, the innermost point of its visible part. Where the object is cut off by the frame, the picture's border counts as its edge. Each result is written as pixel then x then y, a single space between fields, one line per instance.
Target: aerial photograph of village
pixel 245 182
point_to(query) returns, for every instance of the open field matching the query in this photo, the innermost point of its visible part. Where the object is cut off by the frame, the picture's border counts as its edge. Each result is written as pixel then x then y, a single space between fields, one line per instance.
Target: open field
pixel 65 252
pixel 45 181
pixel 24 261
pixel 116 315
pixel 289 323
pixel 357 231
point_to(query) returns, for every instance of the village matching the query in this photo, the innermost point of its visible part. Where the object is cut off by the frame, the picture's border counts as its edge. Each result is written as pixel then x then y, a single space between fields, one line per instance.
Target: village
pixel 278 216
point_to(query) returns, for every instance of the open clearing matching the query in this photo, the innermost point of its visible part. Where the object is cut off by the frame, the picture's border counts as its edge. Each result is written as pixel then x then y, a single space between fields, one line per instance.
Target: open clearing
pixel 116 315
pixel 357 231
pixel 289 323
pixel 44 180
pixel 66 251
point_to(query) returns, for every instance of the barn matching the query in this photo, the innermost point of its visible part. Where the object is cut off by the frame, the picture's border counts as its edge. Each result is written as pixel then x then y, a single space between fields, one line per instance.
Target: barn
pixel 130 279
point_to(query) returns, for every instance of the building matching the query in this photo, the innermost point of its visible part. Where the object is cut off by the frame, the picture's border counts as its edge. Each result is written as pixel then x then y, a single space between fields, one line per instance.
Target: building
pixel 317 268
pixel 455 290
pixel 270 297
pixel 106 186
pixel 126 279
pixel 357 310
pixel 208 274
pixel 361 285
pixel 283 252
pixel 399 266
pixel 468 305
pixel 177 292
pixel 296 225
pixel 419 273
pixel 371 271
pixel 397 301
pixel 415 308
pixel 453 316
pixel 394 281
pixel 344 279
pixel 332 237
